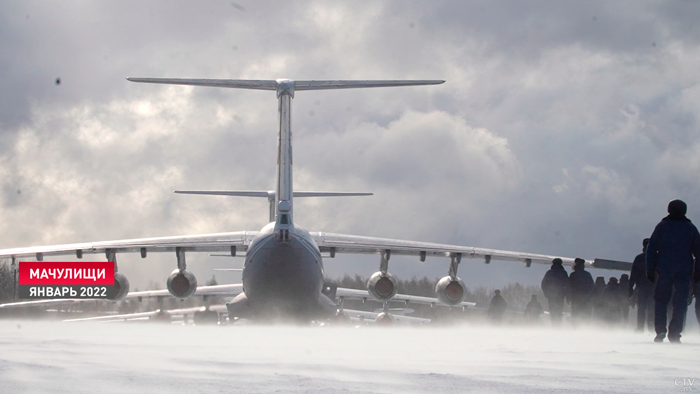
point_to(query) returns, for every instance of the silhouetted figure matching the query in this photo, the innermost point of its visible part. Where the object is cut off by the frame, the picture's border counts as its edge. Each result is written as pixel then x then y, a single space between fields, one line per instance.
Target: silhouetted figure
pixel 533 310
pixel 697 301
pixel 669 258
pixel 555 286
pixel 597 298
pixel 613 298
pixel 581 283
pixel 497 307
pixel 624 299
pixel 640 284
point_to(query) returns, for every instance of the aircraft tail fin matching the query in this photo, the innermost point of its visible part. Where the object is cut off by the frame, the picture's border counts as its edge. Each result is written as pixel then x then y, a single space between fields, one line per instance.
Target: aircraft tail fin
pixel 284 89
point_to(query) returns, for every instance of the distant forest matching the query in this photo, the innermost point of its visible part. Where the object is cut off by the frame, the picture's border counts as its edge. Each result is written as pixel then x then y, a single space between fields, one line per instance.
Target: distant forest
pixel 6 281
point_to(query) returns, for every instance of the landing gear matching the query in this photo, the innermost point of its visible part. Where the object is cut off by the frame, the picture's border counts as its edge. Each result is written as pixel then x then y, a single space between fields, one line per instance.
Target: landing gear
pixel 162 317
pixel 341 319
pixel 206 317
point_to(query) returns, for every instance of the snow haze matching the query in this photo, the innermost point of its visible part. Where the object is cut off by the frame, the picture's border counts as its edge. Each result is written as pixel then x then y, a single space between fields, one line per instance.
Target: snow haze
pixel 45 357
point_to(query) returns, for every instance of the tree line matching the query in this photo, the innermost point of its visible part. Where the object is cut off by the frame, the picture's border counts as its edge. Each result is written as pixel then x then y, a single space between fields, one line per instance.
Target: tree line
pixel 516 295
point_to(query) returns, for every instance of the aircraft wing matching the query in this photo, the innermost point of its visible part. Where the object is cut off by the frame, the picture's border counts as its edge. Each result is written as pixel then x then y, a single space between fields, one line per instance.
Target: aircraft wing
pixel 148 315
pixel 342 243
pixel 137 315
pixel 229 242
pixel 370 317
pixel 406 299
pixel 231 290
pixel 115 318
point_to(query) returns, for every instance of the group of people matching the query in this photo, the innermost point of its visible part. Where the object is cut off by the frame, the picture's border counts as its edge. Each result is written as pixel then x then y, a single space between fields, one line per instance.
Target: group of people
pixel 666 274
pixel 589 299
pixel 498 306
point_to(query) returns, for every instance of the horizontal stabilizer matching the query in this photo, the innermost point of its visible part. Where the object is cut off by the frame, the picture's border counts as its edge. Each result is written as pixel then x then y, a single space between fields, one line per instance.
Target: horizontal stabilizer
pixel 269 194
pixel 216 83
pixel 269 84
pixel 323 85
pixel 331 194
pixel 239 193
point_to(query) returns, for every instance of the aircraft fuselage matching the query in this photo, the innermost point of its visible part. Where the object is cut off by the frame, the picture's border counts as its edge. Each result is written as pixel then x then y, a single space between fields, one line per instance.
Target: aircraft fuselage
pixel 281 276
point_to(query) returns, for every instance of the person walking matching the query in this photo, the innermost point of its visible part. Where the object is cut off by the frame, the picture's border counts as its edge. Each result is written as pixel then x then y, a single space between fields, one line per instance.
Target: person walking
pixel 581 284
pixel 597 299
pixel 613 298
pixel 644 290
pixel 497 307
pixel 533 310
pixel 669 260
pixel 696 292
pixel 555 286
pixel 624 298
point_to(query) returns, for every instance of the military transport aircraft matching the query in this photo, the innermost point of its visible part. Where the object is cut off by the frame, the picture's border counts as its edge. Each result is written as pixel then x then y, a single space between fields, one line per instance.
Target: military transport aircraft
pixel 283 269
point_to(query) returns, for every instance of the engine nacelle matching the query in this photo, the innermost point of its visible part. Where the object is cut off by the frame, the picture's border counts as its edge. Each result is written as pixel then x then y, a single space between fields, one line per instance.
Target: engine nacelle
pixel 121 287
pixel 382 286
pixel 182 284
pixel 450 291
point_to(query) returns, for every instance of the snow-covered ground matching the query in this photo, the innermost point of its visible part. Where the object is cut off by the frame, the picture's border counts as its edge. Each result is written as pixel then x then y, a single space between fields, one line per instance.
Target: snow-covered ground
pixel 52 357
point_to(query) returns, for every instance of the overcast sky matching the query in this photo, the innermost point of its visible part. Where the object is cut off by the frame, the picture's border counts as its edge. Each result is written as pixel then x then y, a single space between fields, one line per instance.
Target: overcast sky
pixel 563 128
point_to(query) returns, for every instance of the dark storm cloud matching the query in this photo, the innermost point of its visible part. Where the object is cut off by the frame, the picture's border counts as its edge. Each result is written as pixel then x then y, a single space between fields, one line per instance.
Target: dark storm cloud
pixel 561 128
pixel 679 19
pixel 524 29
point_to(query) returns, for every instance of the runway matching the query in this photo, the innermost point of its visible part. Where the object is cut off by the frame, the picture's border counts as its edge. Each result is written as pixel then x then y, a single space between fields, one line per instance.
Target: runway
pixel 52 357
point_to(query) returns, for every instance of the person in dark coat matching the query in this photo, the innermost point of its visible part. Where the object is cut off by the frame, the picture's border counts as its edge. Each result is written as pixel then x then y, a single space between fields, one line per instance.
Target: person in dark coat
pixel 669 259
pixel 497 307
pixel 598 304
pixel 697 301
pixel 555 286
pixel 624 299
pixel 613 298
pixel 581 284
pixel 644 289
pixel 533 310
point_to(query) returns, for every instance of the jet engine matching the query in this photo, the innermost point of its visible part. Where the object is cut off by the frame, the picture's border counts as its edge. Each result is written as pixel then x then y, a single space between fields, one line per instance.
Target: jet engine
pixel 382 286
pixel 182 284
pixel 121 287
pixel 450 291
